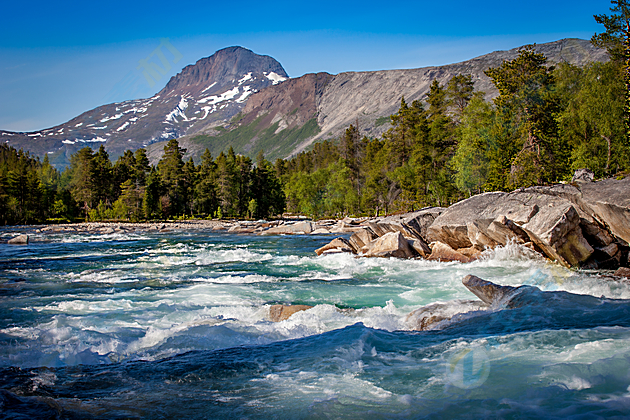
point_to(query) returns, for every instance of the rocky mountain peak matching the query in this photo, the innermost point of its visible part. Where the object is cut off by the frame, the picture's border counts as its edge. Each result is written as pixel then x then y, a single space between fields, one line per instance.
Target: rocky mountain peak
pixel 223 67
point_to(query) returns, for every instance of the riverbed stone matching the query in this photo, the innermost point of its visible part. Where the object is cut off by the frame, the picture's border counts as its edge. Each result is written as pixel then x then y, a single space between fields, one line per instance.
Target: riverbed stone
pixel 622 272
pixel 429 317
pixel 299 228
pixel 19 240
pixel 279 313
pixel 420 247
pixel 320 231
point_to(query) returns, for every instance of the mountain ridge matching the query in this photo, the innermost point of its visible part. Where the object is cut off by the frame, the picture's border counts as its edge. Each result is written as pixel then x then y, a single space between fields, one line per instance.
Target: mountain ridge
pixel 241 99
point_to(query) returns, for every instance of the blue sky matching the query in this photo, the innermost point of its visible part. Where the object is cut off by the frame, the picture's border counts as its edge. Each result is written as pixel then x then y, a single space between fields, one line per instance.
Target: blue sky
pixel 57 61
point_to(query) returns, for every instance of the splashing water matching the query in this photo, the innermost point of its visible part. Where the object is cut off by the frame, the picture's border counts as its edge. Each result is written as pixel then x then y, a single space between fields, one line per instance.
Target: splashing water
pixel 177 324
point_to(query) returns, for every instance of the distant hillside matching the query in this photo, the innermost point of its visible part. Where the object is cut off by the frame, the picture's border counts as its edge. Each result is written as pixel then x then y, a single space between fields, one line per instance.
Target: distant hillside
pixel 240 99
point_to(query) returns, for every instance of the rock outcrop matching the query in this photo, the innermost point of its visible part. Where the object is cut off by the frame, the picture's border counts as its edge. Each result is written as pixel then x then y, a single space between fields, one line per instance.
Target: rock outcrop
pixel 443 252
pixel 586 224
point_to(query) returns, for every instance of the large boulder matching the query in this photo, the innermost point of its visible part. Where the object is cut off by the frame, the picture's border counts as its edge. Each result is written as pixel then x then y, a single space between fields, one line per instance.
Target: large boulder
pixel 488 292
pixel 361 238
pixel 604 204
pixel 608 201
pixel 450 227
pixel 412 226
pixel 19 240
pixel 391 244
pixel 420 247
pixel 419 221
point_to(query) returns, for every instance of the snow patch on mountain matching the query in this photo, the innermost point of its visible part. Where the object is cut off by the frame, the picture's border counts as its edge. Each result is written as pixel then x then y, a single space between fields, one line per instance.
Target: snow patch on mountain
pixel 246 92
pixel 274 77
pixel 225 96
pixel 245 78
pixel 209 87
pixel 115 117
pixel 179 111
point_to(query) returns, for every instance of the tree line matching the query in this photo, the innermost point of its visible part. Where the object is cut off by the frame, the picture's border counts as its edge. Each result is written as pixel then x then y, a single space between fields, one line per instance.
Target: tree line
pixel 93 188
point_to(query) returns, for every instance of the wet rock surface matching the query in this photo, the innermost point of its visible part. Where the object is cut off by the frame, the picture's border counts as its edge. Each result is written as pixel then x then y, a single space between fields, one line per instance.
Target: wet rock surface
pixel 279 313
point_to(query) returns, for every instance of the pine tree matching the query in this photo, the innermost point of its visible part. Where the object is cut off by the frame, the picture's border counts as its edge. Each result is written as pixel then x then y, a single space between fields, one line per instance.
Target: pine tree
pixel 102 177
pixel 459 91
pixel 441 132
pixel 151 207
pixel 172 179
pixel 206 201
pixel 82 179
pixel 141 167
pixel 527 150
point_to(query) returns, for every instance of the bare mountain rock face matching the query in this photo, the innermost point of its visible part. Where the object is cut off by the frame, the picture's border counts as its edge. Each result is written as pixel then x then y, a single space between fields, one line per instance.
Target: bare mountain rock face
pixel 370 97
pixel 241 99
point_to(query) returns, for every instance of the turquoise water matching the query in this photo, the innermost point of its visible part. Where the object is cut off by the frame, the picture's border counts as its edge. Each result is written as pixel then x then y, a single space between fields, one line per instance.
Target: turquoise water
pixel 176 325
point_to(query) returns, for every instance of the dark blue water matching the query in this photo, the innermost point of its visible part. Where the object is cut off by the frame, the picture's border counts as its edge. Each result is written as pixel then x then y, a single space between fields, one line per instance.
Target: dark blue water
pixel 176 325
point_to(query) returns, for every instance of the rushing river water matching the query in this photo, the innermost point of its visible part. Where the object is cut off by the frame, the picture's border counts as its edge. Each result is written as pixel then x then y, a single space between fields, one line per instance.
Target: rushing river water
pixel 176 325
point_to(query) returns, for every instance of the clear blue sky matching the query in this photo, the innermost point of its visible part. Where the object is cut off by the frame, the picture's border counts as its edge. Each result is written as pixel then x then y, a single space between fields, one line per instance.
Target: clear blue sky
pixel 57 61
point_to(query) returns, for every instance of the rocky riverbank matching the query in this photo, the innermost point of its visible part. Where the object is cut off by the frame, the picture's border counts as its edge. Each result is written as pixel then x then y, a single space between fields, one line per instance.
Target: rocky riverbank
pixel 583 224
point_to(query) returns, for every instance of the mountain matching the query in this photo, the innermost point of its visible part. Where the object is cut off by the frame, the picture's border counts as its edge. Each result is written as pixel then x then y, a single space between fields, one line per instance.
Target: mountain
pixel 241 99
pixel 286 119
pixel 201 96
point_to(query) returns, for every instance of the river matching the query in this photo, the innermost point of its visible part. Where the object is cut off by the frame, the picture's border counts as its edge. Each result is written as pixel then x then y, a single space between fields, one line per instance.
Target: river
pixel 176 325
